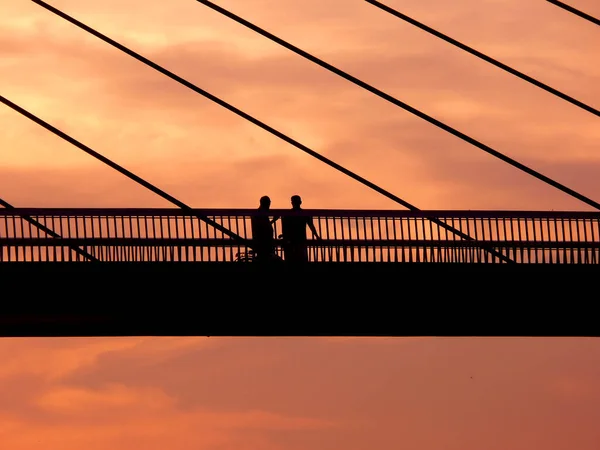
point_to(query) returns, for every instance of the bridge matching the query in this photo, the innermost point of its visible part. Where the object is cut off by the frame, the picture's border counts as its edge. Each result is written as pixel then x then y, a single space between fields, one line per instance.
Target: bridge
pixel 170 272
pixel 73 257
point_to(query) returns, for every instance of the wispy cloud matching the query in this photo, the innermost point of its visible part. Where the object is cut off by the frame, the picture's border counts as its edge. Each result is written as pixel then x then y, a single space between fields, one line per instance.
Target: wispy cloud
pixel 149 123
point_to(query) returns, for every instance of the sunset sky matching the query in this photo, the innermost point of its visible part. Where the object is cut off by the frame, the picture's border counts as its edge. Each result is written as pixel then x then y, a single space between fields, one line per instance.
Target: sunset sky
pixel 300 393
pixel 208 157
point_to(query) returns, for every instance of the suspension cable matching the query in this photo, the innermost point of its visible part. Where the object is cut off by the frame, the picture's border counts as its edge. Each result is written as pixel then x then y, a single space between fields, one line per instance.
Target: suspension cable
pixel 259 123
pixel 401 104
pixel 117 167
pixel 485 57
pixel 575 11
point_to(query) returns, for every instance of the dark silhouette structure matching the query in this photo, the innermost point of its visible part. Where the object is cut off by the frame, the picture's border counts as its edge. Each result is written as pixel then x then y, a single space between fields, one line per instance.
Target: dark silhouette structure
pixel 294 233
pixel 575 11
pixel 484 57
pixel 116 304
pixel 526 248
pixel 143 235
pixel 310 151
pixel 401 104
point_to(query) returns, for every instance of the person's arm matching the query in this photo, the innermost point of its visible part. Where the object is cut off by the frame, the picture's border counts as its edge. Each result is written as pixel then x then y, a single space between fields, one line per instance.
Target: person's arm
pixel 311 225
pixel 275 219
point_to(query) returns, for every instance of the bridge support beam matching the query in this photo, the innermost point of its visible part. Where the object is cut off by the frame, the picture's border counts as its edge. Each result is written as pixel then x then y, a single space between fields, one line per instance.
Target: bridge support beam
pixel 99 299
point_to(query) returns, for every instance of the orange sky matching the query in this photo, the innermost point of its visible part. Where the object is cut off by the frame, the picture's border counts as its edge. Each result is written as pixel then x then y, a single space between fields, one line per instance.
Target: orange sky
pixel 300 393
pixel 288 394
pixel 208 157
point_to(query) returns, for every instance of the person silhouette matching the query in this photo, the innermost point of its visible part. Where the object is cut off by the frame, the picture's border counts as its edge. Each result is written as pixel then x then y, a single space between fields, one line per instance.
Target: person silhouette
pixel 293 228
pixel 262 232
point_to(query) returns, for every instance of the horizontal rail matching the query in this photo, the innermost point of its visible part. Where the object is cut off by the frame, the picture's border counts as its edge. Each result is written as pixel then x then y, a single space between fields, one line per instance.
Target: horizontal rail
pixel 416 251
pixel 323 243
pixel 161 212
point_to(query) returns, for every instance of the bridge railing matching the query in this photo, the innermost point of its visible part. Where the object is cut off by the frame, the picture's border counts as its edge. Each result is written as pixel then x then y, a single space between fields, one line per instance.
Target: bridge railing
pixel 52 234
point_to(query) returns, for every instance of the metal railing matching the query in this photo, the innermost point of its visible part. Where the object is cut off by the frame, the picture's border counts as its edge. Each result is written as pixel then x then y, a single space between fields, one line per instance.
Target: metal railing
pixel 345 236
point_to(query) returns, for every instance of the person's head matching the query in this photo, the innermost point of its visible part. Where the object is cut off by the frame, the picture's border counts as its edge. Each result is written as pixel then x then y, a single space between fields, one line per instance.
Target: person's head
pixel 296 201
pixel 265 202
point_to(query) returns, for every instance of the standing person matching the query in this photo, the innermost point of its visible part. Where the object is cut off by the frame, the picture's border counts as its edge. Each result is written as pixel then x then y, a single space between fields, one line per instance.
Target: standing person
pixel 293 228
pixel 262 232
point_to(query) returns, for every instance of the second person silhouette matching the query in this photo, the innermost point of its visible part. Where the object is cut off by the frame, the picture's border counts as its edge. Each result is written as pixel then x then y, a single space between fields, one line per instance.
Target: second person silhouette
pixel 293 228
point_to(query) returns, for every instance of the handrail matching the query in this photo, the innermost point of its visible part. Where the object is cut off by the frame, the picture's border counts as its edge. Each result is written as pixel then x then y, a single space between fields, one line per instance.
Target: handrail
pixel 250 212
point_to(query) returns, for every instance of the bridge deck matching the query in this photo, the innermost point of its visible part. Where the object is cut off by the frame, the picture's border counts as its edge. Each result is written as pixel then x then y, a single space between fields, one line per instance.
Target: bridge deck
pixel 323 298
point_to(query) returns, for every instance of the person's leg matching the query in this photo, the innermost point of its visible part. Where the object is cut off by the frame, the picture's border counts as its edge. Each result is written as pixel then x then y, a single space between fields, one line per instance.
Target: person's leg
pixel 298 253
pixel 304 250
pixel 260 251
pixel 290 253
pixel 272 254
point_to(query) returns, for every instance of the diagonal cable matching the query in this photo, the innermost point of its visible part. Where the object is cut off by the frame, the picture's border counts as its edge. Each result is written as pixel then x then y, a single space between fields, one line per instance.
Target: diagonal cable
pixel 48 231
pixel 117 167
pixel 261 124
pixel 484 57
pixel 575 11
pixel 401 104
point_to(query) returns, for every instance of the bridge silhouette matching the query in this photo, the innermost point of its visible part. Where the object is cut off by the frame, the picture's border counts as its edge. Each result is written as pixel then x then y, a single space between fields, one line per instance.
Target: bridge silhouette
pixel 68 237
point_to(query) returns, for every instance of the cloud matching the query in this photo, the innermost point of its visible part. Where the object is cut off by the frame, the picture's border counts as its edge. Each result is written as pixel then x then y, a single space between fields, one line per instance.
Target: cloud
pixel 85 402
pixel 152 428
pixel 269 394
pixel 282 393
pixel 55 358
pixel 425 172
pixel 573 389
pixel 170 134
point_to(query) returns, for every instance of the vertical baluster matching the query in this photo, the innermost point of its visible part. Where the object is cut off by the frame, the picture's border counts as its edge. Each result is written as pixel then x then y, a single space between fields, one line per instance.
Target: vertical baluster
pixel 570 225
pixel 595 224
